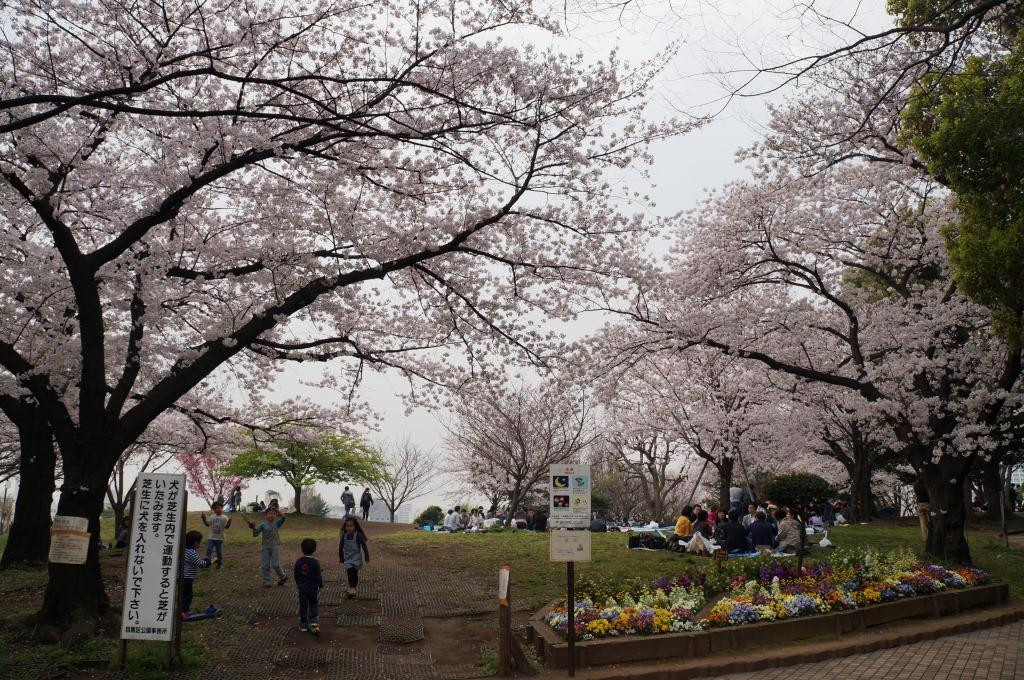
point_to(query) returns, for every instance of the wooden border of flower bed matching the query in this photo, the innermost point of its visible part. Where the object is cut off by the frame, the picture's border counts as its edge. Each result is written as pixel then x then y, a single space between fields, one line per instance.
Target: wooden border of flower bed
pixel 553 649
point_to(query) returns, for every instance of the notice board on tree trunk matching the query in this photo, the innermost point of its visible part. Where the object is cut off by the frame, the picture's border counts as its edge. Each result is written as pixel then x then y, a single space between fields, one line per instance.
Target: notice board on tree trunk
pixel 69 540
pixel 151 581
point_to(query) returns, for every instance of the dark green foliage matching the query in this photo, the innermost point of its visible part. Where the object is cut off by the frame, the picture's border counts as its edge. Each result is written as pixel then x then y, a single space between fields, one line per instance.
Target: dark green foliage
pixel 432 515
pixel 798 489
pixel 969 129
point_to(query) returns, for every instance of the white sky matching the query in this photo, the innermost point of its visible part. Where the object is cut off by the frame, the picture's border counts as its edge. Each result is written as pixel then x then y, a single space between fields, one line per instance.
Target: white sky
pixel 712 40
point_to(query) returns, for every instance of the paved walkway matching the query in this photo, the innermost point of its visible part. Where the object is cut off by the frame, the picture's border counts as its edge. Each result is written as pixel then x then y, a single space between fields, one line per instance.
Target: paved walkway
pixel 992 654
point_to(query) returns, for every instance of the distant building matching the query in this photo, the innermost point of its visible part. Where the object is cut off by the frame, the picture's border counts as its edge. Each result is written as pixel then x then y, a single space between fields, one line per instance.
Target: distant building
pixel 379 513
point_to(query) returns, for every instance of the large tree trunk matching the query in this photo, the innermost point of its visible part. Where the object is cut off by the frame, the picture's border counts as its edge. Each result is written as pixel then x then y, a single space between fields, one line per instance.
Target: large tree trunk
pixel 76 605
pixel 992 487
pixel 391 512
pixel 29 537
pixel 298 499
pixel 724 481
pixel 947 514
pixel 861 499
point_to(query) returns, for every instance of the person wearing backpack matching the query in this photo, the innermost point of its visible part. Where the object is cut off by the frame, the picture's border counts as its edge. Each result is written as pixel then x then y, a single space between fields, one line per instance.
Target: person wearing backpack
pixel 349 501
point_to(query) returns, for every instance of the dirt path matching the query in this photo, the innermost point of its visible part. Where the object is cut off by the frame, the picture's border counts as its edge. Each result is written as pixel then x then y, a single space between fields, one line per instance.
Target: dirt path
pixel 410 621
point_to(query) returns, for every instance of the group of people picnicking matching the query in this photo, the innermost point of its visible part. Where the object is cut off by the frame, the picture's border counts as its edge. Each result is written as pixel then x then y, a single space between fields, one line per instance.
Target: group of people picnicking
pixel 761 527
pixel 476 519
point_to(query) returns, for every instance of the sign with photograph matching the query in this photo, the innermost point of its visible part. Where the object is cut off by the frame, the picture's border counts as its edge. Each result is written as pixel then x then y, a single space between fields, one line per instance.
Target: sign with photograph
pixel 570 496
pixel 570 546
pixel 69 540
pixel 154 548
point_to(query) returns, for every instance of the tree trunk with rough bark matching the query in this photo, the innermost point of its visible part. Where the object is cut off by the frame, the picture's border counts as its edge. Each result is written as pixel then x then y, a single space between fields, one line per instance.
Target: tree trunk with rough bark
pixel 992 486
pixel 75 605
pixel 28 540
pixel 725 471
pixel 861 499
pixel 298 499
pixel 947 513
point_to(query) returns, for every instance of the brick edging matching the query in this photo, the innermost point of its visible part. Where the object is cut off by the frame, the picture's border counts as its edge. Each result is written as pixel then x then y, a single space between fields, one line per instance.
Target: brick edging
pixel 947 606
pixel 793 655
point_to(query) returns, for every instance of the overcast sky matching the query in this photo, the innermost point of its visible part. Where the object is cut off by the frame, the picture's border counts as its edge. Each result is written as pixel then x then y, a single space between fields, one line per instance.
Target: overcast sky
pixel 714 40
pixel 714 45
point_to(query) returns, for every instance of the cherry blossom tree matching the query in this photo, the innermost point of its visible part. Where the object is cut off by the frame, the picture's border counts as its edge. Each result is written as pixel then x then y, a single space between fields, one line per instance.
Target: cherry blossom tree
pixel 192 188
pixel 503 440
pixel 838 277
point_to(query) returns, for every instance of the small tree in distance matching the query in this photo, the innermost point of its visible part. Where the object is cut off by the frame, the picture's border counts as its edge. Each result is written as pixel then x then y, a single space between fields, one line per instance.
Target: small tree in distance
pixel 330 458
pixel 409 470
pixel 509 437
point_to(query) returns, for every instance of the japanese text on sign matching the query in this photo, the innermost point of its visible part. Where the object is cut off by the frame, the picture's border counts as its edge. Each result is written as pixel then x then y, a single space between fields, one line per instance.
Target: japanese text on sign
pixel 151 581
pixel 570 496
pixel 569 546
pixel 69 540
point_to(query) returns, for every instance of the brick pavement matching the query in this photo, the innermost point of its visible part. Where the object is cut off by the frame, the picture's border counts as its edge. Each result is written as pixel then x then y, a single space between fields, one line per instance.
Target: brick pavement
pixel 992 654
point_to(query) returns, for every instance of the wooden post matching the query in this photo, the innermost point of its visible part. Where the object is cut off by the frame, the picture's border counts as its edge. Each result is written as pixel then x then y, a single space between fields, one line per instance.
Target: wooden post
pixel 1002 517
pixel 504 623
pixel 174 646
pixel 571 609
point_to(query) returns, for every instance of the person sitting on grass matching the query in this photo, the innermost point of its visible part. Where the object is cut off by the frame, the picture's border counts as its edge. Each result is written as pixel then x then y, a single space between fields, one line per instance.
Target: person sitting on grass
pixel 193 563
pixel 123 533
pixel 682 529
pixel 701 526
pixel 750 517
pixel 789 532
pixel 762 532
pixel 734 536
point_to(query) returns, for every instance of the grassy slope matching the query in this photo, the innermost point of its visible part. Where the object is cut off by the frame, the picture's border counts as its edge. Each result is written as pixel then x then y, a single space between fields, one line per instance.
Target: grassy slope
pixel 537 580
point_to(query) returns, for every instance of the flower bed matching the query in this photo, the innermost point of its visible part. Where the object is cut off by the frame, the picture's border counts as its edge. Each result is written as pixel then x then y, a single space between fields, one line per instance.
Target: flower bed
pixel 756 591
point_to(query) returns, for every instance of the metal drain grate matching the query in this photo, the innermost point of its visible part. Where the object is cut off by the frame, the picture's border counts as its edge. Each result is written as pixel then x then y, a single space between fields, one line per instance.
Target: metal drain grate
pixel 358 619
pixel 400 630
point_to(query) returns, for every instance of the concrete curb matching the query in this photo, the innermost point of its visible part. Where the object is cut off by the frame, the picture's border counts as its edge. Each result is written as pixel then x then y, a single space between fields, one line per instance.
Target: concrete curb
pixel 892 635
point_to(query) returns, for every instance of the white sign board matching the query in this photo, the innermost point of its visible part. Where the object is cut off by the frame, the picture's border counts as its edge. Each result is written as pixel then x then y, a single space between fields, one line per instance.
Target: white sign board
pixel 69 540
pixel 570 546
pixel 569 488
pixel 151 584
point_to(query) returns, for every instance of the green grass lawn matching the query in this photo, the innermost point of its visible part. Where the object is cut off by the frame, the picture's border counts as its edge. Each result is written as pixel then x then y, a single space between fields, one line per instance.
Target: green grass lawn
pixel 537 580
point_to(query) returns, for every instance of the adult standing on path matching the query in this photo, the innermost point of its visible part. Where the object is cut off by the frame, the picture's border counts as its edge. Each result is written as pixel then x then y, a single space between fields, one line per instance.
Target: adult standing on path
pixel 349 501
pixel 365 501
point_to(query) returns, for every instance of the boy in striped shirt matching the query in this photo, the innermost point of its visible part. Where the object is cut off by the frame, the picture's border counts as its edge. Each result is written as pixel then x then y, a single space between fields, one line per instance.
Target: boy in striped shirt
pixel 193 563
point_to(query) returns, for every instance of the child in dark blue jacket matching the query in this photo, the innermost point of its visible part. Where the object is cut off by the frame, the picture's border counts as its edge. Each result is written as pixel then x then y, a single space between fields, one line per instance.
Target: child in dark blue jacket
pixel 309 580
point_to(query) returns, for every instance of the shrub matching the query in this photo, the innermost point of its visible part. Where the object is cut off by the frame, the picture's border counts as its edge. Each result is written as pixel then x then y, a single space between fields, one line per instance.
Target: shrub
pixel 432 515
pixel 798 489
pixel 314 504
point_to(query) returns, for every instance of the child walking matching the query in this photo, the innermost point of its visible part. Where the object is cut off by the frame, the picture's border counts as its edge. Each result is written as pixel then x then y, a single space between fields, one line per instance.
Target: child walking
pixel 193 563
pixel 270 551
pixel 218 524
pixel 309 580
pixel 351 551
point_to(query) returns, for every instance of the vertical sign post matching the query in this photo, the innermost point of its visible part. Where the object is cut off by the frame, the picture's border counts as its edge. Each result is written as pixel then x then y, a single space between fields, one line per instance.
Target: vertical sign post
pixel 504 624
pixel 570 510
pixel 154 563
